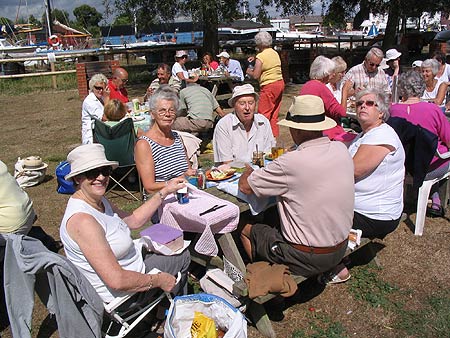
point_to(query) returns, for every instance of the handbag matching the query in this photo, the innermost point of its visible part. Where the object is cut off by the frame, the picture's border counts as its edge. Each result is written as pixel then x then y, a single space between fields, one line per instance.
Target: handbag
pixel 64 186
pixel 28 176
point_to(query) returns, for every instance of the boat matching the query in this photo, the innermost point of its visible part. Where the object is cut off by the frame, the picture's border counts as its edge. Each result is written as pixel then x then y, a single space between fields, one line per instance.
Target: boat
pixel 296 35
pixel 8 48
pixel 241 31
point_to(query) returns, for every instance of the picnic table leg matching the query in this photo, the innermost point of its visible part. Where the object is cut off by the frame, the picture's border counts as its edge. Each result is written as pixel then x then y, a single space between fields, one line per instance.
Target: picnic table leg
pixel 231 252
pixel 261 319
pixel 214 90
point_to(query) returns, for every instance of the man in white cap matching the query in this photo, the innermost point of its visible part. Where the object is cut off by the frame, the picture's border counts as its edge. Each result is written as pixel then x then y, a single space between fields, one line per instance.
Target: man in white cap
pixel 314 186
pixel 232 66
pixel 240 133
pixel 393 63
pixel 365 75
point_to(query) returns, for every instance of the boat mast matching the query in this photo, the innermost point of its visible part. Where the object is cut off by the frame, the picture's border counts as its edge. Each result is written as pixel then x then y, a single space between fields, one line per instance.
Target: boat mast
pixel 48 12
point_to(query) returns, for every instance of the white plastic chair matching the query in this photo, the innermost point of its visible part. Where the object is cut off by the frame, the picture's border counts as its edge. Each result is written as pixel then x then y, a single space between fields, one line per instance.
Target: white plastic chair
pixel 424 192
pixel 129 323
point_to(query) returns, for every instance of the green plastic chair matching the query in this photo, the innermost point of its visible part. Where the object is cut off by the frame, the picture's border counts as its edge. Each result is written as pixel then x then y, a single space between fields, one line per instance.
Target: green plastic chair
pixel 118 141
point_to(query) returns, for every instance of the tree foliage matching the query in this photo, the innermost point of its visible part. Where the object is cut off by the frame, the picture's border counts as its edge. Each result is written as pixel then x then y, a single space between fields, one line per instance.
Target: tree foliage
pixel 207 12
pixel 57 14
pixel 87 16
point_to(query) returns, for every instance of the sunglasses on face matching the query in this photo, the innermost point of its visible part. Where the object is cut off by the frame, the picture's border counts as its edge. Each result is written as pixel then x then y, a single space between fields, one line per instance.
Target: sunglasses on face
pixel 368 103
pixel 99 88
pixel 184 57
pixel 371 64
pixel 94 173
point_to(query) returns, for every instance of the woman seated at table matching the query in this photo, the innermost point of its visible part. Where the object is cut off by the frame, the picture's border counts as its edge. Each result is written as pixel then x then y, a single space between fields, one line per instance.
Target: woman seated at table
pixel 93 105
pixel 209 63
pixel 159 153
pixel 378 159
pixel 96 234
pixel 435 90
pixel 179 71
pixel 320 72
pixel 430 117
pixel 335 81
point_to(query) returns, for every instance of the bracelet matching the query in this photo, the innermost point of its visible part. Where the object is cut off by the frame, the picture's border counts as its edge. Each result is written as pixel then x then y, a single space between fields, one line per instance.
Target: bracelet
pixel 151 283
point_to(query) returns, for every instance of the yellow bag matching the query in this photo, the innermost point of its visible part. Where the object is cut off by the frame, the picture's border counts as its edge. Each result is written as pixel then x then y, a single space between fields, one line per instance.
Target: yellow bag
pixel 203 326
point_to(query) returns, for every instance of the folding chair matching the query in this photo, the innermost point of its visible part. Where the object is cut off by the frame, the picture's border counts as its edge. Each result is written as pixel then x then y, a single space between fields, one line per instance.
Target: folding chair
pixel 118 141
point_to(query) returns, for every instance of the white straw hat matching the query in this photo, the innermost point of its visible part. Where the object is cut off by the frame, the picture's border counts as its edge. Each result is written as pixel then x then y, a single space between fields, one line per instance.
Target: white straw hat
pixel 307 113
pixel 246 89
pixel 181 53
pixel 33 163
pixel 86 157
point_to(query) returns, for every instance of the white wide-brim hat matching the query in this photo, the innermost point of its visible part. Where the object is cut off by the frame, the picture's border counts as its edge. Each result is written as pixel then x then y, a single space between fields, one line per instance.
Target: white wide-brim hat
pixel 307 113
pixel 392 54
pixel 33 163
pixel 238 91
pixel 86 157
pixel 383 64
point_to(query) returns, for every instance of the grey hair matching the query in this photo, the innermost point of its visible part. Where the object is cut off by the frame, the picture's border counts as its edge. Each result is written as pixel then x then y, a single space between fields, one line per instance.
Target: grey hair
pixel 263 39
pixel 381 99
pixel 433 64
pixel 321 67
pixel 164 92
pixel 97 78
pixel 374 51
pixel 411 84
pixel 340 64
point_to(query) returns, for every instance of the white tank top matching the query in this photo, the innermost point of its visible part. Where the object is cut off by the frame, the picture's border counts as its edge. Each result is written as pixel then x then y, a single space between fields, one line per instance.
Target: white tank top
pixel 429 96
pixel 118 236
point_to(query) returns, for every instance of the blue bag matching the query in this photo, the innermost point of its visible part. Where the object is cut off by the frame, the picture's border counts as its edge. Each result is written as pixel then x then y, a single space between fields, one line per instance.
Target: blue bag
pixel 64 186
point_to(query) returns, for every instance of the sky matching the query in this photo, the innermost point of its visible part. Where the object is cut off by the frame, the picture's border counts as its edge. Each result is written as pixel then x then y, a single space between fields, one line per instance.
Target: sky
pixel 9 8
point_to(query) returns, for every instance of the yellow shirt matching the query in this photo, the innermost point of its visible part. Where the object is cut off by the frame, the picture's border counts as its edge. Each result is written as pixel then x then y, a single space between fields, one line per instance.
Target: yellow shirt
pixel 271 66
pixel 15 205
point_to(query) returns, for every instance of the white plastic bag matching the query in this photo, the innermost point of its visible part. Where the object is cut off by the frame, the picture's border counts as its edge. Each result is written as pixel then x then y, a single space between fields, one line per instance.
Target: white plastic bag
pixel 27 177
pixel 181 313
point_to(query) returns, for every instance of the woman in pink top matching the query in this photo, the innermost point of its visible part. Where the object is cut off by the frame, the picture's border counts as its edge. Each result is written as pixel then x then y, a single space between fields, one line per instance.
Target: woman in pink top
pixel 322 68
pixel 429 116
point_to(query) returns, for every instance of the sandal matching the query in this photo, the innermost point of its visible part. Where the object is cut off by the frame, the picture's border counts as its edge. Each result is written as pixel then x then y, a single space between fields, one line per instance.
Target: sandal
pixel 436 210
pixel 336 279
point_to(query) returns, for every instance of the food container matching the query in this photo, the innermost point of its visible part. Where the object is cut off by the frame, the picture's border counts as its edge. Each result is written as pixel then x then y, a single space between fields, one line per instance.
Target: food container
pixel 182 195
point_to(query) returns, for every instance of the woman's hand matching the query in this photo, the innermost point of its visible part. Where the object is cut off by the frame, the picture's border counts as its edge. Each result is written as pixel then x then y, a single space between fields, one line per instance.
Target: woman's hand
pixel 164 281
pixel 173 185
pixel 251 59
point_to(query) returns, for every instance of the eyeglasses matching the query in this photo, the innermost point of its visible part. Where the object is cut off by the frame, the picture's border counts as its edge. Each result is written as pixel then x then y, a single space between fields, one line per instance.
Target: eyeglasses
pixel 163 112
pixel 99 88
pixel 94 173
pixel 371 64
pixel 368 103
pixel 124 80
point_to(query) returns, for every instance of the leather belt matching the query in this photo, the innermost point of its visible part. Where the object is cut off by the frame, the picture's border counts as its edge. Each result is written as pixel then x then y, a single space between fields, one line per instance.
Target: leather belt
pixel 319 250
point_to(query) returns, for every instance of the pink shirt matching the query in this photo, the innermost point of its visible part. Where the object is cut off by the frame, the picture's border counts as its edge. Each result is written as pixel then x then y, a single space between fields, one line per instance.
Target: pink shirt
pixel 315 189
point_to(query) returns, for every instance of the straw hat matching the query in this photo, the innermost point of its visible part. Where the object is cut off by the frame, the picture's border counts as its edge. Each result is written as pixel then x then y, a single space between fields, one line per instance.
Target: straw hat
pixel 307 113
pixel 87 157
pixel 246 89
pixel 224 54
pixel 181 53
pixel 33 163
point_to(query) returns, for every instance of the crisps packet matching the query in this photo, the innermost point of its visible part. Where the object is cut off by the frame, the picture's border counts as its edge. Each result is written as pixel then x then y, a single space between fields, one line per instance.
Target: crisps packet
pixel 203 326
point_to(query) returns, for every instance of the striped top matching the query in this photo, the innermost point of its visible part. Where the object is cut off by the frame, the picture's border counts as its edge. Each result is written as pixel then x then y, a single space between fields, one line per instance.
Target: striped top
pixel 170 161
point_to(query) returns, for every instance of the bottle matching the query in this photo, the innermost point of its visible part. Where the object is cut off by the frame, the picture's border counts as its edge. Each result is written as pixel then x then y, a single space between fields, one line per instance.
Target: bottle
pixel 201 178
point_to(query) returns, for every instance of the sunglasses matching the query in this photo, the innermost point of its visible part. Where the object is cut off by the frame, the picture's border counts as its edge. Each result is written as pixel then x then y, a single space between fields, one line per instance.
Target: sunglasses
pixel 184 57
pixel 371 64
pixel 99 88
pixel 368 103
pixel 94 173
pixel 124 80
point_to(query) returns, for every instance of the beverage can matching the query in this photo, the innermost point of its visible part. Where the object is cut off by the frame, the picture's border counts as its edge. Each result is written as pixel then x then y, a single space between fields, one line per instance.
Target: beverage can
pixel 201 179
pixel 182 195
pixel 135 105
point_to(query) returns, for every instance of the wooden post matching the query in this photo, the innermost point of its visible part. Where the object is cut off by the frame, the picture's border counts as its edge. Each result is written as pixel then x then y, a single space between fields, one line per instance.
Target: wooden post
pixel 53 69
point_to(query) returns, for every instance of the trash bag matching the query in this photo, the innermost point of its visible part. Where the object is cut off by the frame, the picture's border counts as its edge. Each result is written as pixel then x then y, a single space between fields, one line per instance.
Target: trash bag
pixel 64 186
pixel 181 314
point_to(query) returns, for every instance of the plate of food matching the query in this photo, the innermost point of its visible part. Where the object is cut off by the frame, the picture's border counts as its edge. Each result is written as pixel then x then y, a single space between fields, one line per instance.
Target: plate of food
pixel 217 174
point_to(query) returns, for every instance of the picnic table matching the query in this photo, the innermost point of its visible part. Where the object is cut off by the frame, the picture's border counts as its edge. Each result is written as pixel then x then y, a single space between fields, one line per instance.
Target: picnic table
pixel 213 82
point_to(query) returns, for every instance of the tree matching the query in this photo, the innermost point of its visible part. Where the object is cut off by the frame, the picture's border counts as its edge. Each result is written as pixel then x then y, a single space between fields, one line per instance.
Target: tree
pixel 87 16
pixel 57 14
pixel 32 20
pixel 207 12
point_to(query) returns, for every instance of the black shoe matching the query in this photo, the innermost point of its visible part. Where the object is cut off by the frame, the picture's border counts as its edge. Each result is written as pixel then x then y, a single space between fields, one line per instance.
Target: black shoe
pixel 435 212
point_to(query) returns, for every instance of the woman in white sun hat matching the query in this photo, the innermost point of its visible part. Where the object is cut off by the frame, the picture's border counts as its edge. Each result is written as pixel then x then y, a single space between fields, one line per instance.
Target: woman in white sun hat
pixel 96 234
